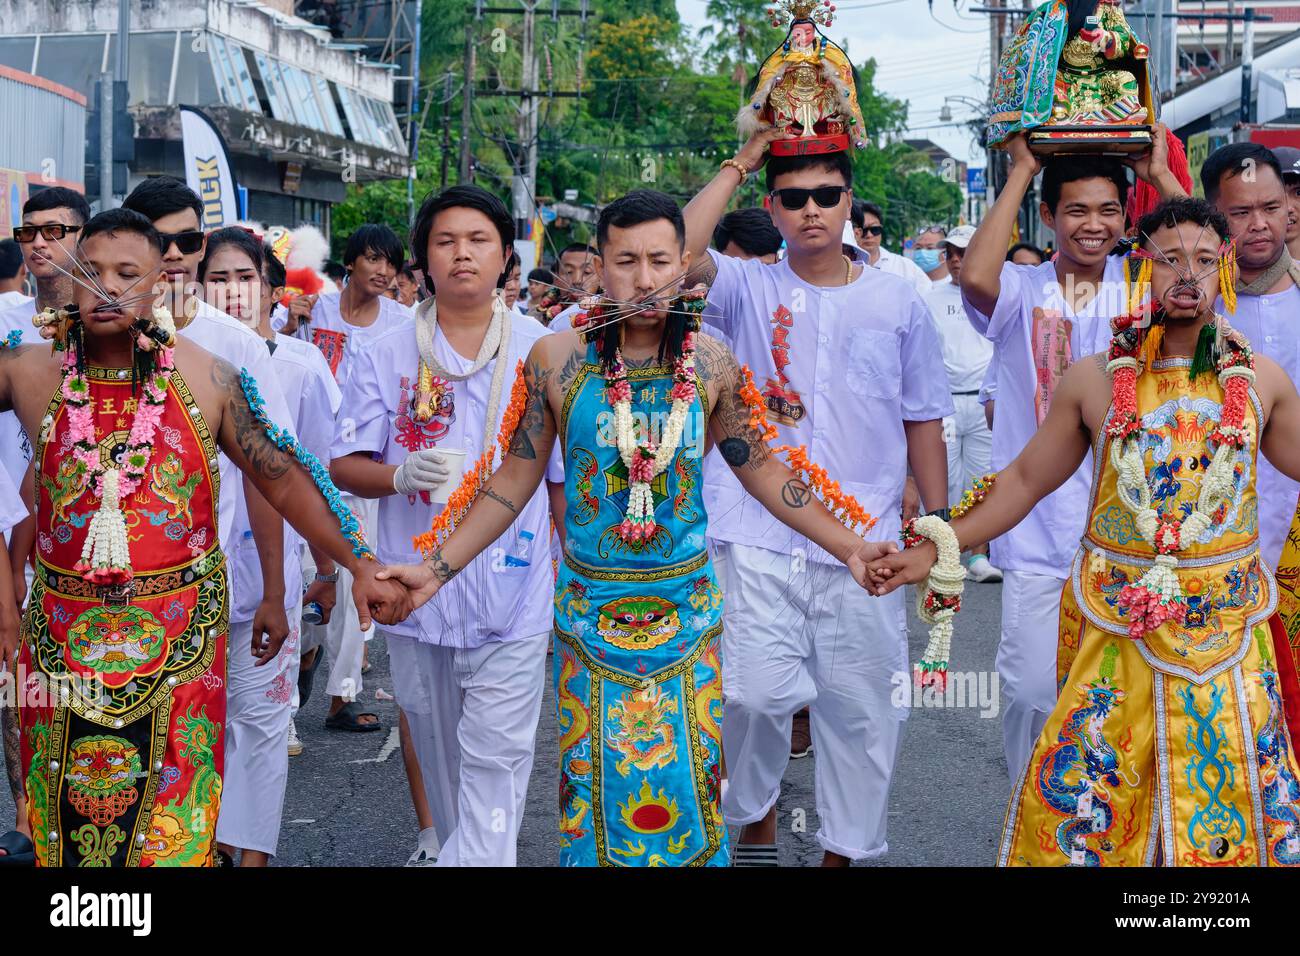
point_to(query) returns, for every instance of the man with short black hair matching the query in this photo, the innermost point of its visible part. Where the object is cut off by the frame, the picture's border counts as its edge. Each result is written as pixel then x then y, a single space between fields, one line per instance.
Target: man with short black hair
pixel 13 275
pixel 342 325
pixel 1041 319
pixel 637 608
pixel 575 272
pixel 468 667
pixel 869 230
pixel 748 234
pixel 1246 183
pixel 850 366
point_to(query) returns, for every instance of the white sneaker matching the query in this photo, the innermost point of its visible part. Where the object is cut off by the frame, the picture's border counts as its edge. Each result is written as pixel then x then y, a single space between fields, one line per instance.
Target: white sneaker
pixel 981 571
pixel 295 745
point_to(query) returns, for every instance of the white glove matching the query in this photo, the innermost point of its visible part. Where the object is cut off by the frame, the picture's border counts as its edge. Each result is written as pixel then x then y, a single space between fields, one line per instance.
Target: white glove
pixel 423 470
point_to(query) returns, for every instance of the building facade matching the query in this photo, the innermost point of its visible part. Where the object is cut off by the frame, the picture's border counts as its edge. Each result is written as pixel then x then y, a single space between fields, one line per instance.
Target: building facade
pixel 50 150
pixel 302 115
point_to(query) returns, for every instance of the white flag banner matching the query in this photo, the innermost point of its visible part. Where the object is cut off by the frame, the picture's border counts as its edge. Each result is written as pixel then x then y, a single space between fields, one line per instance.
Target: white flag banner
pixel 207 169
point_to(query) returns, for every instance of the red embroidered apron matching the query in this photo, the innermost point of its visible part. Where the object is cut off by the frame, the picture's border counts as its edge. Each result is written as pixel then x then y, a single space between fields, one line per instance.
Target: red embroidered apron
pixel 122 697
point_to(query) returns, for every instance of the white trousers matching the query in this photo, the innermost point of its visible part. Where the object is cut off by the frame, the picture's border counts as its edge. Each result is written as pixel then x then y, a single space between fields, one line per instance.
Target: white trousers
pixel 473 719
pixel 258 705
pixel 970 445
pixel 1026 661
pixel 342 637
pixel 796 634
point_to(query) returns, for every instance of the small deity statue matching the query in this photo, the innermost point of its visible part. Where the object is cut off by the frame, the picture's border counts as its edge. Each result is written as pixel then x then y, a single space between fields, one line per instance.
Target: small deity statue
pixel 807 86
pixel 1075 78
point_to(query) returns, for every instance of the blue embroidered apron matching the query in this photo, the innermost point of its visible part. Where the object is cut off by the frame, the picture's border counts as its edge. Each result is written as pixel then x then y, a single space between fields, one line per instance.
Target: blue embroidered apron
pixel 638 676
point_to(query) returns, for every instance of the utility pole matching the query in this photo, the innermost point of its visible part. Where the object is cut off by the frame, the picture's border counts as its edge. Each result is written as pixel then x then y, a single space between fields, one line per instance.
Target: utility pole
pixel 446 127
pixel 413 127
pixel 467 97
pixel 1231 44
pixel 524 156
pixel 1247 65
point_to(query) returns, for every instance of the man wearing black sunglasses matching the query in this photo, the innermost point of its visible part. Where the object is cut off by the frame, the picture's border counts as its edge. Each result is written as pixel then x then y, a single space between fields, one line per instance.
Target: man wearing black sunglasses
pixel 47 235
pixel 849 365
pixel 869 230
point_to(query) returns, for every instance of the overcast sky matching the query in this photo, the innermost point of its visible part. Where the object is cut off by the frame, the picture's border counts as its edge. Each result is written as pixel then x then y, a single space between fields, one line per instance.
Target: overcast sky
pixel 922 58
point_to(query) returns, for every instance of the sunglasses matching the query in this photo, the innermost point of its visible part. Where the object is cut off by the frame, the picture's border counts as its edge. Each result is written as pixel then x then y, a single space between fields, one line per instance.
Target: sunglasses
pixel 188 242
pixel 873 230
pixel 795 198
pixel 52 231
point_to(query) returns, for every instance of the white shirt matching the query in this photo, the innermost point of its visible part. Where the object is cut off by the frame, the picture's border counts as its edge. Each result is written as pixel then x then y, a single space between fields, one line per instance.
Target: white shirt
pixel 1269 322
pixel 15 446
pixel 966 353
pixel 1036 337
pixel 307 385
pixel 858 361
pixel 506 593
pixel 229 339
pixel 339 340
pixel 904 268
pixel 11 300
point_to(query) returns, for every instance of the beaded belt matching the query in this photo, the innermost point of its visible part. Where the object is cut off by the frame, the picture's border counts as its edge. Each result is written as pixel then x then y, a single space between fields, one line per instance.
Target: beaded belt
pixel 142 585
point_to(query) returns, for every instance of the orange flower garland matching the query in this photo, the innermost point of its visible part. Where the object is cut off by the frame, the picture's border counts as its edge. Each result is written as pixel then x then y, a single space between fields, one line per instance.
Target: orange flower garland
pixel 458 504
pixel 840 503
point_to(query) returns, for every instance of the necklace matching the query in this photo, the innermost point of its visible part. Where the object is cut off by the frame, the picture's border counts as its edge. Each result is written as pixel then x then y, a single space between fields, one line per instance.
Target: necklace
pixel 644 460
pixel 1262 283
pixel 497 338
pixel 1157 597
pixel 106 555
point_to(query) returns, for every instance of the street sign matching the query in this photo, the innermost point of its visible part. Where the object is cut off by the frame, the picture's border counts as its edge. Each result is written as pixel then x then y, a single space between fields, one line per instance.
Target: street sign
pixel 975 181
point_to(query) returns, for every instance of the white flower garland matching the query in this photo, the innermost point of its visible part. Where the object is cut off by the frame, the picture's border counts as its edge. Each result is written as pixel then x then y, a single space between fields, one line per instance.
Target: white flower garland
pixel 940 601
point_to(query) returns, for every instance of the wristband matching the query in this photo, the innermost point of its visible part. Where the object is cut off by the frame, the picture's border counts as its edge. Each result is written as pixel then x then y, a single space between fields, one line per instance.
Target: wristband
pixel 328 578
pixel 943 514
pixel 738 166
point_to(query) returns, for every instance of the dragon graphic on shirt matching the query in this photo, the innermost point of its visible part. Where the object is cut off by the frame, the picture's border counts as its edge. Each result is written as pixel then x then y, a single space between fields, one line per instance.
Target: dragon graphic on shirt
pixel 171 485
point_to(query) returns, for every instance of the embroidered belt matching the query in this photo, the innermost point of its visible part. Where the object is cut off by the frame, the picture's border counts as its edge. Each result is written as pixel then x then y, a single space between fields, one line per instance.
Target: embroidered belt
pixel 637 574
pixel 141 586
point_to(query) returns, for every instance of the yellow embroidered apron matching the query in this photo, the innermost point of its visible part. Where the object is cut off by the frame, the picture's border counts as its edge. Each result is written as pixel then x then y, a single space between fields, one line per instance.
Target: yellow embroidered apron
pixel 1172 749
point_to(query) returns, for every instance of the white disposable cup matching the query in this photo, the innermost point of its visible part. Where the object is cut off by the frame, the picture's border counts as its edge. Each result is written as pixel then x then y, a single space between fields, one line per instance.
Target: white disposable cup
pixel 456 465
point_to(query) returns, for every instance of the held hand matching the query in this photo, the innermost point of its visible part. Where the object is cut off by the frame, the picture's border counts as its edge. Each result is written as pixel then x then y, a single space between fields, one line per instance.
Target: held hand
pixel 1021 155
pixel 422 583
pixel 422 470
pixel 269 620
pixel 387 601
pixel 324 593
pixel 1153 164
pixel 754 153
pixel 300 307
pixel 902 567
pixel 868 552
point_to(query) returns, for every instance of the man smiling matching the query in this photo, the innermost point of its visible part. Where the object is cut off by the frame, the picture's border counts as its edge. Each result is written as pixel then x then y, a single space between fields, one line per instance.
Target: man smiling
pixel 1040 320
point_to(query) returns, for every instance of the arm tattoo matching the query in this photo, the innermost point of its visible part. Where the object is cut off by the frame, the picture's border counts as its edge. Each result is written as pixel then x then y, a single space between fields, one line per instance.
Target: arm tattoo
pixel 795 493
pixel 13 755
pixel 264 458
pixel 501 500
pixel 707 271
pixel 571 366
pixel 443 571
pixel 743 446
pixel 735 451
pixel 533 423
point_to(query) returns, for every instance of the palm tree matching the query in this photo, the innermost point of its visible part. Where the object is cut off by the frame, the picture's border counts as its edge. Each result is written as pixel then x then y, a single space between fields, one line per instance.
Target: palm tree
pixel 740 34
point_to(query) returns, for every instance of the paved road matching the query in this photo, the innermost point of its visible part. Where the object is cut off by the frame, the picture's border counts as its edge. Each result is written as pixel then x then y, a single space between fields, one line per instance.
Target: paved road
pixel 348 801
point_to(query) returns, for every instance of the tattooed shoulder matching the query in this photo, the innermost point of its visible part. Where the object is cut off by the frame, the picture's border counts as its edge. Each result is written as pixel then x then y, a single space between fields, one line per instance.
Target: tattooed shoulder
pixel 537 380
pixel 265 459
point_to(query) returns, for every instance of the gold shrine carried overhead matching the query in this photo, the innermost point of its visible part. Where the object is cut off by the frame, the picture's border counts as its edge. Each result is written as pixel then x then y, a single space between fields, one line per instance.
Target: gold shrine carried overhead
pixel 807 87
pixel 1075 79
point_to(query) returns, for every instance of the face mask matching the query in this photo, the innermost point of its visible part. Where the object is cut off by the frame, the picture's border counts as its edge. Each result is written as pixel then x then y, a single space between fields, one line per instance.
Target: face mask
pixel 927 259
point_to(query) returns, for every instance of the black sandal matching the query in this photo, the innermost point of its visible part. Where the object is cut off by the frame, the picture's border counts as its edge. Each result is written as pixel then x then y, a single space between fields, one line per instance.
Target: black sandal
pixel 19 850
pixel 308 674
pixel 346 719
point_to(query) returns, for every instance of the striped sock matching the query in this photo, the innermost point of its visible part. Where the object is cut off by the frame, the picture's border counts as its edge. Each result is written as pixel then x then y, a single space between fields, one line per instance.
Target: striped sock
pixel 754 854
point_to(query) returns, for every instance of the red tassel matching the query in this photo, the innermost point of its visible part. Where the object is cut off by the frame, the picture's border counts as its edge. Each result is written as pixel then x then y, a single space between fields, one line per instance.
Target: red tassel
pixel 1144 198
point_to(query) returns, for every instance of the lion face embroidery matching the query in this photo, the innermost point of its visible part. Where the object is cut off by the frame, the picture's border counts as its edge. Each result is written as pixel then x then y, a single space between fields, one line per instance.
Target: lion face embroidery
pixel 115 640
pixel 638 623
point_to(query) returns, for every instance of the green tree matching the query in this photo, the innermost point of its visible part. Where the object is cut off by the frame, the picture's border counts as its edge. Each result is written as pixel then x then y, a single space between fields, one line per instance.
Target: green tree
pixel 740 35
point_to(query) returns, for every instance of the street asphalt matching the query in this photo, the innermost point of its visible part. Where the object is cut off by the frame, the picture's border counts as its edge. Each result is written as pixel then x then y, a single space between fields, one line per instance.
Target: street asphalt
pixel 348 802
